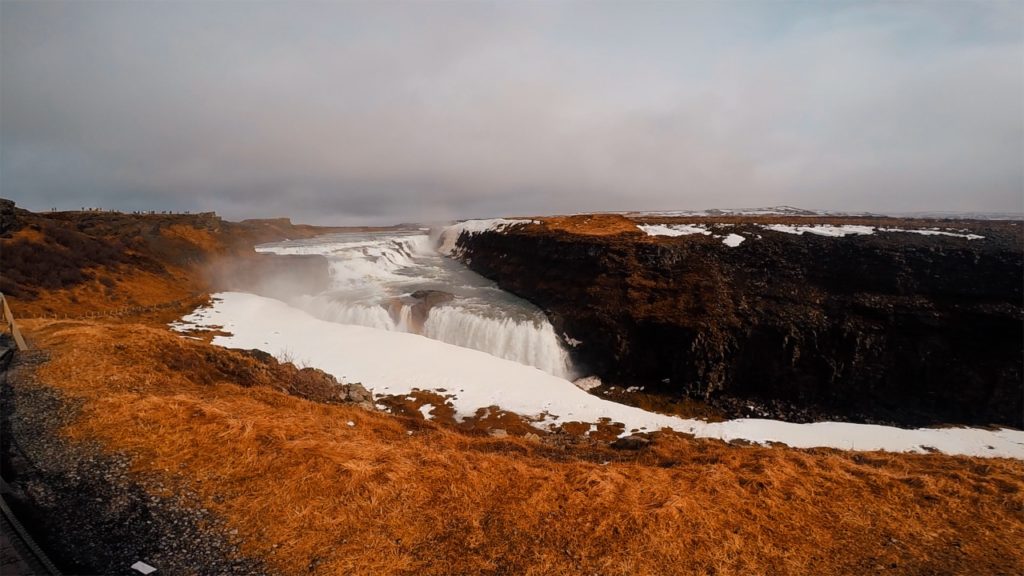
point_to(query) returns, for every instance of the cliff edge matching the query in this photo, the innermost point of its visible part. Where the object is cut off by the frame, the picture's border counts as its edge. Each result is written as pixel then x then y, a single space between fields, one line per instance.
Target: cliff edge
pixel 868 319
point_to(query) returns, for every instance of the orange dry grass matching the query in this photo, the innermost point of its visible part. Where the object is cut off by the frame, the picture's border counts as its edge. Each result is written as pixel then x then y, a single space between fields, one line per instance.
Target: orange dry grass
pixel 127 287
pixel 28 235
pixel 309 493
pixel 591 224
pixel 201 238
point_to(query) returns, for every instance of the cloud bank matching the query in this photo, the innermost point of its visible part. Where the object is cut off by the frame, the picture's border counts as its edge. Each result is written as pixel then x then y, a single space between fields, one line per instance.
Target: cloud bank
pixel 384 112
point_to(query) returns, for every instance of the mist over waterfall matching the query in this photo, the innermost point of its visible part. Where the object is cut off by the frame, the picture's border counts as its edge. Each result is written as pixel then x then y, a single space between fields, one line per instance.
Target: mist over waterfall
pixel 397 281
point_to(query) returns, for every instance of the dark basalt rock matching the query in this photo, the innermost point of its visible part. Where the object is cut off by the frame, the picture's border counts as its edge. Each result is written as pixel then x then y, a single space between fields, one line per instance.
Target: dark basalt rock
pixel 892 327
pixel 633 442
pixel 432 297
pixel 419 302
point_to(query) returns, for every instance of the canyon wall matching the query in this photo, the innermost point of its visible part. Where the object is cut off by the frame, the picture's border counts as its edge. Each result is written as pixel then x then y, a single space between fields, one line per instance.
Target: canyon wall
pixel 893 327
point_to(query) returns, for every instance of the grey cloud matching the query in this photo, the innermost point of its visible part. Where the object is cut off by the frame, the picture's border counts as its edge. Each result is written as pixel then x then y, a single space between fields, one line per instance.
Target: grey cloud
pixel 356 113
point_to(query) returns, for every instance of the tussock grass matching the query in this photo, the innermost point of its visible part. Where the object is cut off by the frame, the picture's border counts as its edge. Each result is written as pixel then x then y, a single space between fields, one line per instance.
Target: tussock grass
pixel 310 493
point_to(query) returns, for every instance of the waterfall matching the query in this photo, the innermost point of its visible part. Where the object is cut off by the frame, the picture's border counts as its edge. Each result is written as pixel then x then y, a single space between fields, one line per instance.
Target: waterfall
pixel 341 312
pixel 379 281
pixel 528 342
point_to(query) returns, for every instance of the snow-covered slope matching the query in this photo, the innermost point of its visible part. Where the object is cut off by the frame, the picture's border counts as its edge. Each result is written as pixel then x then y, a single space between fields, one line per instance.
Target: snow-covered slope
pixel 396 363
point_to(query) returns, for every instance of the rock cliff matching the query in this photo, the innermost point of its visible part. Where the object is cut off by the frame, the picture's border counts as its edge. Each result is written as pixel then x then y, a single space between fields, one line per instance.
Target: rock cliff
pixel 896 327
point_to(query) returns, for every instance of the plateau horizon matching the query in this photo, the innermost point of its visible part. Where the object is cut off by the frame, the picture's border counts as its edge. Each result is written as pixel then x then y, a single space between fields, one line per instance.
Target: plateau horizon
pixel 412 222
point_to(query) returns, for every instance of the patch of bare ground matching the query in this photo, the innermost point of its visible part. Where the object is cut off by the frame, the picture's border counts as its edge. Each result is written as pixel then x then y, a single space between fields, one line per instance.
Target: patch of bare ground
pixel 322 488
pixel 591 224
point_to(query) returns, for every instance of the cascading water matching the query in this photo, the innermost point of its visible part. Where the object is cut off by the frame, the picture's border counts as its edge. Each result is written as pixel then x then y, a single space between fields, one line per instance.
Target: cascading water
pixel 397 281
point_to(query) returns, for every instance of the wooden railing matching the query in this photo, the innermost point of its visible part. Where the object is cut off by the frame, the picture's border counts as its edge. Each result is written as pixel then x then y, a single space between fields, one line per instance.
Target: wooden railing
pixel 15 331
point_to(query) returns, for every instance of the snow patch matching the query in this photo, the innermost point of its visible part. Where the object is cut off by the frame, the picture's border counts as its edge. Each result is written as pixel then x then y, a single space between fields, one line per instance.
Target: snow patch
pixel 822 229
pixel 447 243
pixel 425 410
pixel 143 568
pixel 933 232
pixel 733 240
pixel 673 229
pixel 854 230
pixel 588 383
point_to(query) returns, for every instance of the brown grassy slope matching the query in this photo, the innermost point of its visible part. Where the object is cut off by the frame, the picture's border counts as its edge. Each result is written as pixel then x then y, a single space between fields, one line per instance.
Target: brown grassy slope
pixel 310 493
pixel 77 263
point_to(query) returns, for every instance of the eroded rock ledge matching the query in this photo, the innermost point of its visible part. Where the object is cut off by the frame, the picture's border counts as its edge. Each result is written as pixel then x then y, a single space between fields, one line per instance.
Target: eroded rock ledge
pixel 894 327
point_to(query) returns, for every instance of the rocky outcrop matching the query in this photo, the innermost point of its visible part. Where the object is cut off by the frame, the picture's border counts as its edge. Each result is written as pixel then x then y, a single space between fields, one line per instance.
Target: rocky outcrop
pixel 895 327
pixel 418 305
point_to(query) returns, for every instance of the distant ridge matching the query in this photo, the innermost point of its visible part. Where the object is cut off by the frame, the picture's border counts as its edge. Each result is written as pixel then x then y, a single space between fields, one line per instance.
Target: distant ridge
pixel 961 215
pixel 794 211
pixel 769 211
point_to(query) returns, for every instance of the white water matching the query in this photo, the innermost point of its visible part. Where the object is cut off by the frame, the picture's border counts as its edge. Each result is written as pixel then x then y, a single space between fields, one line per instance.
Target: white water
pixel 373 276
pixel 531 343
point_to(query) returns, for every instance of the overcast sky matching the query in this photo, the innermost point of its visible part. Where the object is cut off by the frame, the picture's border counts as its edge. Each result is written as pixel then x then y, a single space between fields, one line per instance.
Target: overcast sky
pixel 376 112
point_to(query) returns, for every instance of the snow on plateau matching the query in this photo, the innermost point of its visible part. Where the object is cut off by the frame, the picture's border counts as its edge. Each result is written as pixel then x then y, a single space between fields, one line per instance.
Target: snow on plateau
pixel 673 229
pixel 855 230
pixel 450 235
pixel 822 229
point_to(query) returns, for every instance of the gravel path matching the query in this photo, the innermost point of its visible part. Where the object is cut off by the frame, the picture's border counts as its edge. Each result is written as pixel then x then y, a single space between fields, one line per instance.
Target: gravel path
pixel 84 506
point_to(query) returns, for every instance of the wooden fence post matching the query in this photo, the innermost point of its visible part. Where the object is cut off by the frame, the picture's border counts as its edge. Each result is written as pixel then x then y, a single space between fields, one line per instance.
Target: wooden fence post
pixel 19 340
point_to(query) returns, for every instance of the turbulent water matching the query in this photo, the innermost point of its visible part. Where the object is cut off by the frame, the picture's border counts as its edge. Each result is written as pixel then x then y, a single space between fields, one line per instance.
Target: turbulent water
pixel 380 279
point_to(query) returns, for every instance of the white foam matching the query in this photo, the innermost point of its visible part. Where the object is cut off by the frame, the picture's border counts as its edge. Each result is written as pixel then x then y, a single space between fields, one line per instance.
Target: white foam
pixel 400 362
